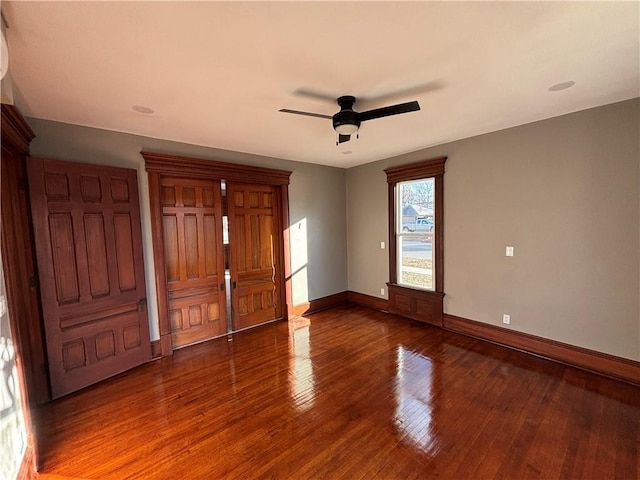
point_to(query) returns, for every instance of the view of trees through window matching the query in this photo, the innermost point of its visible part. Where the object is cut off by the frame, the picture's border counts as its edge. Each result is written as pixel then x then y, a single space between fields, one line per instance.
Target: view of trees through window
pixel 418 192
pixel 415 233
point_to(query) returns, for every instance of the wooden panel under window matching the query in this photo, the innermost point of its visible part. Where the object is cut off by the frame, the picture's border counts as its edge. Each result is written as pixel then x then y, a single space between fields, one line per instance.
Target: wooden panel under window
pixel 417 304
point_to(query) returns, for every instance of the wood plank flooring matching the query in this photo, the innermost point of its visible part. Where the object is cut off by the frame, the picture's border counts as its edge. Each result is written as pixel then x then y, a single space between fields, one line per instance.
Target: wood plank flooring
pixel 348 393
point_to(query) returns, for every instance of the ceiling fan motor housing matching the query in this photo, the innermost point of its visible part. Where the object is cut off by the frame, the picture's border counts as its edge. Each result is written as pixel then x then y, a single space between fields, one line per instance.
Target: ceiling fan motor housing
pixel 346 116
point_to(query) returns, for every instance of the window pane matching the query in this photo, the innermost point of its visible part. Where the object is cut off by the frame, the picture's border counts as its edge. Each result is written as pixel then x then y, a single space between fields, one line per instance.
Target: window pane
pixel 415 261
pixel 416 204
pixel 415 228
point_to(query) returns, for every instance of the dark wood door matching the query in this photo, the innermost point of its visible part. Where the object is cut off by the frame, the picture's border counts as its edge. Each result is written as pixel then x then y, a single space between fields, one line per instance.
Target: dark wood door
pixel 194 259
pixel 255 239
pixel 89 251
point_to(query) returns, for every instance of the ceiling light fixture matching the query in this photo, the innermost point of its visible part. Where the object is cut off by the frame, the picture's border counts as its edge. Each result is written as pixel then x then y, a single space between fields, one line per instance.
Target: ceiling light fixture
pixel 347 128
pixel 562 86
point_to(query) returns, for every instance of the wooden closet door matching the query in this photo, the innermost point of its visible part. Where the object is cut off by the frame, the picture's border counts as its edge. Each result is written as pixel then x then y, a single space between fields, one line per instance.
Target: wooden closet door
pixel 89 249
pixel 254 238
pixel 193 254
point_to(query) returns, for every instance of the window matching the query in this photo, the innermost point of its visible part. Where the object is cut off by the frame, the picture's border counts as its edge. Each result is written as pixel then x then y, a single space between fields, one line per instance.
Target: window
pixel 416 251
pixel 414 229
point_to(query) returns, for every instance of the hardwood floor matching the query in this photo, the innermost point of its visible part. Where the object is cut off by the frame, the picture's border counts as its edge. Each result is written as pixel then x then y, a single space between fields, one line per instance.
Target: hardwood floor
pixel 347 393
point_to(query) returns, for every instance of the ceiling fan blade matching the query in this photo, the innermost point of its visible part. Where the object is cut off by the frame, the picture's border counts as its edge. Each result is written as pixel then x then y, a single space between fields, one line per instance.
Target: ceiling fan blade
pixel 343 138
pixel 392 95
pixel 308 114
pixel 391 110
pixel 316 95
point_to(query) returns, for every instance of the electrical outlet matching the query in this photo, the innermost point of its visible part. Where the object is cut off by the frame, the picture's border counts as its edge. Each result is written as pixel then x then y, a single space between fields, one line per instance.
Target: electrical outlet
pixel 506 319
pixel 509 252
pixel 382 291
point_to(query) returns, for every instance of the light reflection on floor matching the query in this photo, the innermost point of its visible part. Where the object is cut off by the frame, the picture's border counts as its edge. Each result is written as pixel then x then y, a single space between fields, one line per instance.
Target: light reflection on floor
pixel 413 414
pixel 301 377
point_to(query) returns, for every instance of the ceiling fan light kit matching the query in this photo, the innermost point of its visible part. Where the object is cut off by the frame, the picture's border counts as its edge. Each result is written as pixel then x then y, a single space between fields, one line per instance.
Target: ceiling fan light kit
pixel 346 128
pixel 347 121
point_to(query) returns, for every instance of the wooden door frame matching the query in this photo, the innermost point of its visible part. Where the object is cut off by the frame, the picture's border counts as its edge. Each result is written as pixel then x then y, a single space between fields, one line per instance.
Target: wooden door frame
pixel 23 297
pixel 160 165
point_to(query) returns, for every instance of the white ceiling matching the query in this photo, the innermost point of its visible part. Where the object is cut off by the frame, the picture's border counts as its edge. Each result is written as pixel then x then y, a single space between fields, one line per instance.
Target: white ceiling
pixel 216 73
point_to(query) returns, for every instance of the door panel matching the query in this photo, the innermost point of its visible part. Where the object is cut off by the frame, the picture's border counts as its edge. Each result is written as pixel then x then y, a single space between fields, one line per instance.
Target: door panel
pixel 253 228
pixel 89 250
pixel 192 233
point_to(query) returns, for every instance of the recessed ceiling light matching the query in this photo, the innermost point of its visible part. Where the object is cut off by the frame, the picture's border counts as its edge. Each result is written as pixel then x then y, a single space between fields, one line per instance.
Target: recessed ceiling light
pixel 562 86
pixel 347 152
pixel 143 109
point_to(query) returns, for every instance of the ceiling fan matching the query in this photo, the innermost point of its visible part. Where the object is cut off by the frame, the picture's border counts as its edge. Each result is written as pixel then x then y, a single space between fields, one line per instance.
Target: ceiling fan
pixel 347 121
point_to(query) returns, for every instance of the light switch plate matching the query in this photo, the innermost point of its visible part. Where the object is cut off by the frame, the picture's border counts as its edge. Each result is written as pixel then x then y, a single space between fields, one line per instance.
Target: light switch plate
pixel 509 252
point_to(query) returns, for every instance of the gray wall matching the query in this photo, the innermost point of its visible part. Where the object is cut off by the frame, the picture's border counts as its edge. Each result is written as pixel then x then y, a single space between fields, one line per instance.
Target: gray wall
pixel 564 192
pixel 317 200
